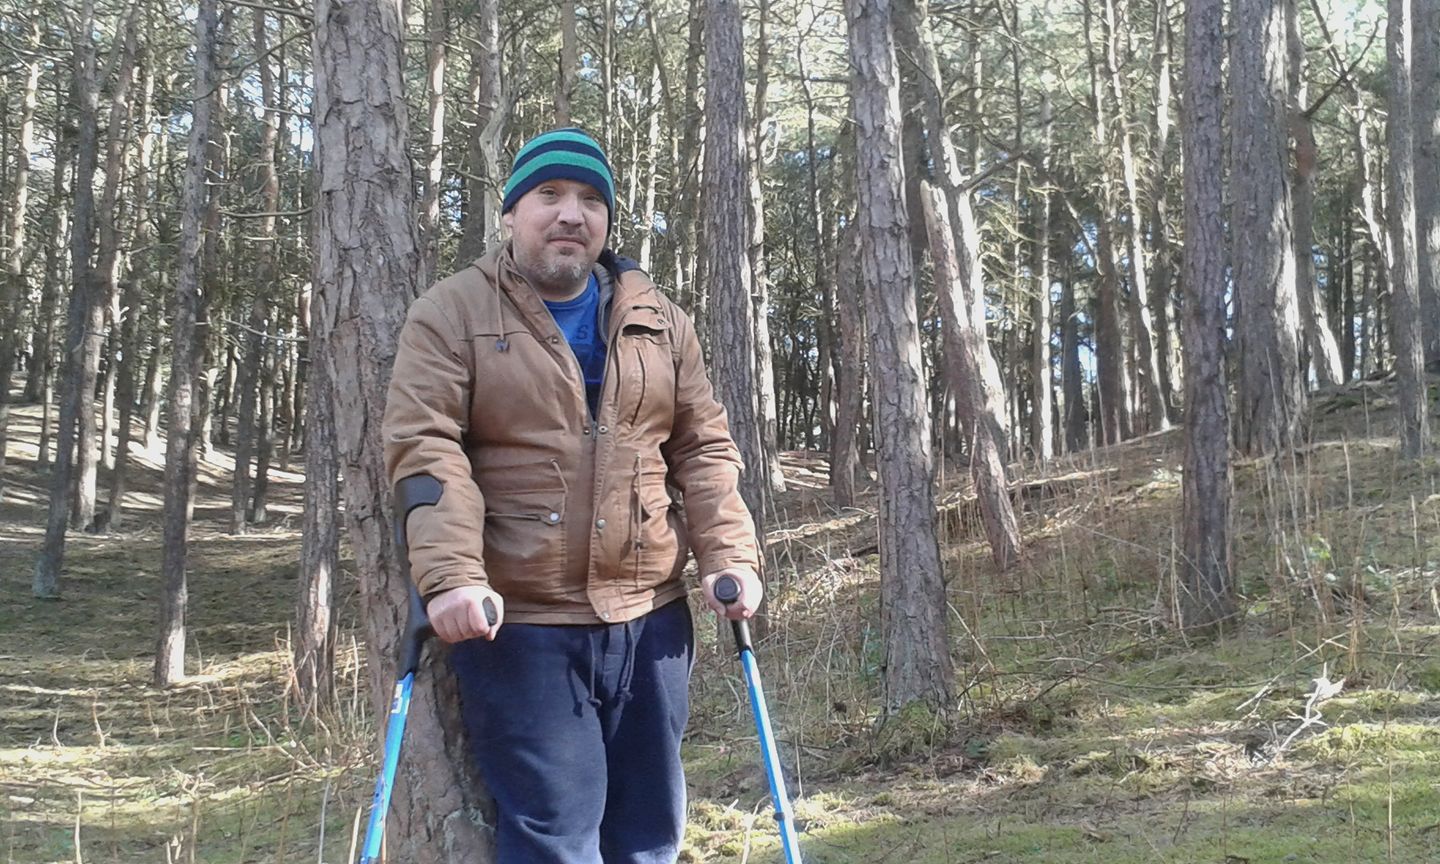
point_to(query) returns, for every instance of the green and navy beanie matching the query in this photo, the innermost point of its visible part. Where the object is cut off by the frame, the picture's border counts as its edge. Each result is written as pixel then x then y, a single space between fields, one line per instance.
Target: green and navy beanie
pixel 561 154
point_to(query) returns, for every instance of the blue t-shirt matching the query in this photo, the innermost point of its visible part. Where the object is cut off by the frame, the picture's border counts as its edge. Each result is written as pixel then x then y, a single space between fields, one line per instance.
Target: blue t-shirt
pixel 579 320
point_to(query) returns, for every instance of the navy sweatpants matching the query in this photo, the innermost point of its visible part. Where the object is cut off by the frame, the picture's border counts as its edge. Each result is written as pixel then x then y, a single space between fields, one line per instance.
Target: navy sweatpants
pixel 576 732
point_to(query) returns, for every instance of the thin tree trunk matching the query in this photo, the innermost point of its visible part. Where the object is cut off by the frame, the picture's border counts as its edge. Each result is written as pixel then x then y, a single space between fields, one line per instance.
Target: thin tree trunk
pixel 430 231
pixel 320 538
pixel 1042 437
pixel 916 44
pixel 1162 305
pixel 569 64
pixel 850 372
pixel 84 316
pixel 1072 377
pixel 1319 340
pixel 481 221
pixel 132 299
pixel 12 282
pixel 1147 363
pixel 652 172
pixel 1426 70
pixel 986 467
pixel 44 362
pixel 766 410
pixel 1407 337
pixel 179 447
pixel 913 608
pixel 1271 392
pixel 95 431
pixel 1207 592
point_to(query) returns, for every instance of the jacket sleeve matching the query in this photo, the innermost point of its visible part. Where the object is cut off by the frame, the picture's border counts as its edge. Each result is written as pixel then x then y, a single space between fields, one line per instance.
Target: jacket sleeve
pixel 705 463
pixel 426 418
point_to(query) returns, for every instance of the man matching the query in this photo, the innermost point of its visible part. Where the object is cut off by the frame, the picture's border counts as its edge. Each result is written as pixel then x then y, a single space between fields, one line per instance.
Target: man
pixel 559 402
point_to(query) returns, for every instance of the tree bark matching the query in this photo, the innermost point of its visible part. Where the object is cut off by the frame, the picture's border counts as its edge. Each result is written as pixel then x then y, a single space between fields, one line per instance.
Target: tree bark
pixel 1147 361
pixel 132 299
pixel 1324 353
pixel 1426 69
pixel 728 274
pixel 13 287
pixel 569 64
pixel 430 231
pixel 916 45
pixel 320 539
pixel 850 372
pixel 913 609
pixel 185 354
pixel 365 259
pixel 1042 433
pixel 84 316
pixel 765 405
pixel 1207 591
pixel 1271 391
pixel 481 221
pixel 1406 335
pixel 986 467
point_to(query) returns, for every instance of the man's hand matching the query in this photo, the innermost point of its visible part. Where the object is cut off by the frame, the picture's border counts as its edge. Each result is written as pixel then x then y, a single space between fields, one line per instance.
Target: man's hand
pixel 459 614
pixel 750 593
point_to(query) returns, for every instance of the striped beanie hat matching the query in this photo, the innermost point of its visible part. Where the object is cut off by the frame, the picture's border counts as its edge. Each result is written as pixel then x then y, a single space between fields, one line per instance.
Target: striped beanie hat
pixel 561 154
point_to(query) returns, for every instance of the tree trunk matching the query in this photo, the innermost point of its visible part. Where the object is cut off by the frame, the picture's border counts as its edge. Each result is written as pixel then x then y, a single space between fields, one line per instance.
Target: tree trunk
pixel 1271 391
pixel 1162 304
pixel 185 352
pixel 44 356
pixel 765 406
pixel 481 222
pixel 916 42
pixel 1147 361
pixel 84 316
pixel 430 231
pixel 132 299
pixel 913 607
pixel 93 443
pixel 1072 376
pixel 1426 71
pixel 727 244
pixel 12 282
pixel 365 259
pixel 1207 590
pixel 850 372
pixel 986 467
pixel 569 64
pixel 1111 366
pixel 1319 340
pixel 1042 437
pixel 320 538
pixel 1406 334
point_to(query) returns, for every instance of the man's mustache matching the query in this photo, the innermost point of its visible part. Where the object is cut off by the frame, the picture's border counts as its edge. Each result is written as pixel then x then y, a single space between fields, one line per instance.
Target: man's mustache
pixel 577 236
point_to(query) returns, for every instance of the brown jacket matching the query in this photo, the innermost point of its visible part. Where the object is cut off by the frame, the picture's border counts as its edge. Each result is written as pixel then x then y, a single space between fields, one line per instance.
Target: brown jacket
pixel 570 519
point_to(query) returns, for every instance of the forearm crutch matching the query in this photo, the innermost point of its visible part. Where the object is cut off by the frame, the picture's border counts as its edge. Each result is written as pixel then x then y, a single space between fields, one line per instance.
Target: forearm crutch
pixel 417 491
pixel 727 591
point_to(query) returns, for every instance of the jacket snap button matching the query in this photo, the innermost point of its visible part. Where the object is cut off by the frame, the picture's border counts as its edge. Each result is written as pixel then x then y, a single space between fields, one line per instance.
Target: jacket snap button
pixel 605 615
pixel 604 429
pixel 554 517
pixel 554 340
pixel 599 523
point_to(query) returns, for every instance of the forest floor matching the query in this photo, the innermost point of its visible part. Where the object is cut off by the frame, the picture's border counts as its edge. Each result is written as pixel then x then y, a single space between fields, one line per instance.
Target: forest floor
pixel 1085 729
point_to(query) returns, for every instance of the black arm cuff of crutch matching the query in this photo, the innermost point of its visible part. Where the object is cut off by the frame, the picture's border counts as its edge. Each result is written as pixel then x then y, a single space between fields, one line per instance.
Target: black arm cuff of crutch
pixel 417 490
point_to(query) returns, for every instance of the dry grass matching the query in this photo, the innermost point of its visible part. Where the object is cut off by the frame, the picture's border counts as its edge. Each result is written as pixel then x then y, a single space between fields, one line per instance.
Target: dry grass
pixel 1084 728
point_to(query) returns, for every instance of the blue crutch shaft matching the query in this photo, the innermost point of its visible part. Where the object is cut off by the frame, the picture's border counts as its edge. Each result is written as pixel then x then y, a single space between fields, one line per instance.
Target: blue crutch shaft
pixel 727 591
pixel 417 491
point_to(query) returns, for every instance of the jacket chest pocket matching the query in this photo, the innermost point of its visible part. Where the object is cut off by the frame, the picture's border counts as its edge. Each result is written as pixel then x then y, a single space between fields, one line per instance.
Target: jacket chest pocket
pixel 647 393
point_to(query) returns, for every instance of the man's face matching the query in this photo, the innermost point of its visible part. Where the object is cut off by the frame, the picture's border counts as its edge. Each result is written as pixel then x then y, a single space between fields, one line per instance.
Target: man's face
pixel 558 231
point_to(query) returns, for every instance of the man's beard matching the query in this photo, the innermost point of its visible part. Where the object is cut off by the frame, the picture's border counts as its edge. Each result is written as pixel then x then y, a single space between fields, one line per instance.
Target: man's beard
pixel 557 271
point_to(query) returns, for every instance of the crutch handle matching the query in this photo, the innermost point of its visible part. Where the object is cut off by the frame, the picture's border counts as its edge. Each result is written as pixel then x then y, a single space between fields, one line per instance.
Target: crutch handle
pixel 727 591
